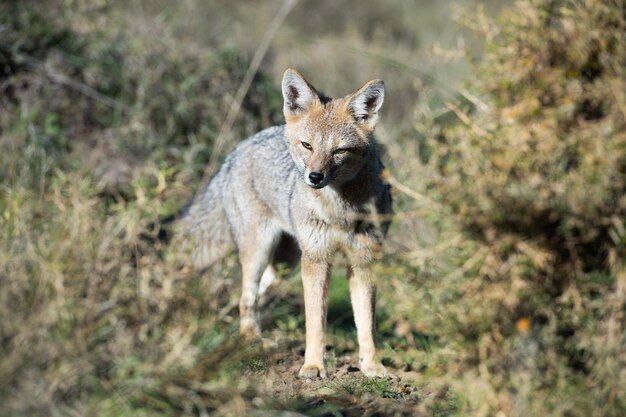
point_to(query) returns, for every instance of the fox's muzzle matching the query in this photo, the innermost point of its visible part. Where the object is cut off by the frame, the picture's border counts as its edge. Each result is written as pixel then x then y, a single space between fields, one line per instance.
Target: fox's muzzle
pixel 316 180
pixel 316 177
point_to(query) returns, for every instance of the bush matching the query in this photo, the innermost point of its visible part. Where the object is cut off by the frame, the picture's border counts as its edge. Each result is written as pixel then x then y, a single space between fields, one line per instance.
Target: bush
pixel 538 180
pixel 105 130
pixel 89 78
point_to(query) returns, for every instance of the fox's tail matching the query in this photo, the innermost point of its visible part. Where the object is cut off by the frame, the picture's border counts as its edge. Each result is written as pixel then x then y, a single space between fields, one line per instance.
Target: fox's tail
pixel 203 230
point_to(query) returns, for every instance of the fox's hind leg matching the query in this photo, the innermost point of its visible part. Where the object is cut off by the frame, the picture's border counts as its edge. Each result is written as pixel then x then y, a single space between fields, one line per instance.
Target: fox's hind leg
pixel 255 254
pixel 286 256
pixel 268 277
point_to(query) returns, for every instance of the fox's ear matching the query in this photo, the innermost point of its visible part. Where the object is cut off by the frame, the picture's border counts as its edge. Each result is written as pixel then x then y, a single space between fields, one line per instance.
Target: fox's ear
pixel 298 94
pixel 366 101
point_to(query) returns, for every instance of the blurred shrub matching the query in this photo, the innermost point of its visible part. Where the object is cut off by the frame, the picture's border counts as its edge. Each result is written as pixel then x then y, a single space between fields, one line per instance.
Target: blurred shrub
pixel 106 125
pixel 92 72
pixel 539 181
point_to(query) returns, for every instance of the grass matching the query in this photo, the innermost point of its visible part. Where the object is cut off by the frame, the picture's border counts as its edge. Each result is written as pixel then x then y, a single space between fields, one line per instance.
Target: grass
pixel 109 114
pixel 376 387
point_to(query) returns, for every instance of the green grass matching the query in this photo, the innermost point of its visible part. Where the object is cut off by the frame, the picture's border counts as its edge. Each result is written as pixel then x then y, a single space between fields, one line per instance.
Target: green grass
pixel 375 387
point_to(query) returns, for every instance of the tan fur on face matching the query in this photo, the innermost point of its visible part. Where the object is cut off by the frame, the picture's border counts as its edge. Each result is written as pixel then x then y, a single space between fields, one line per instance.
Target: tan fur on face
pixel 328 127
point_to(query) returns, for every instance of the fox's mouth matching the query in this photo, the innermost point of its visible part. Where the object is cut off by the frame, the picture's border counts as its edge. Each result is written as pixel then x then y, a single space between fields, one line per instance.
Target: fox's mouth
pixel 317 186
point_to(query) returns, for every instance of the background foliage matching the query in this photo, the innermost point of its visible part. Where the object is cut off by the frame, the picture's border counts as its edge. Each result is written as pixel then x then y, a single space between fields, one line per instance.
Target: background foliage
pixel 537 180
pixel 503 290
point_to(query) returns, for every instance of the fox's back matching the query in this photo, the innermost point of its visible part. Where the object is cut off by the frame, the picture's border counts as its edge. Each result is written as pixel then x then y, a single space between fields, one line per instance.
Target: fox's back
pixel 258 179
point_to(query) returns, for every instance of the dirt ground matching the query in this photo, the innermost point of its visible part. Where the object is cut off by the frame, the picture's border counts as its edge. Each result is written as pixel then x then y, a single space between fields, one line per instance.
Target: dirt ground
pixel 345 392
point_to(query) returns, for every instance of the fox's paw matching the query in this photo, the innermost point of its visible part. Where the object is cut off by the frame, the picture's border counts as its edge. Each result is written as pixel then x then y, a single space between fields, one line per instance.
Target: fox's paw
pixel 312 371
pixel 374 369
pixel 268 343
pixel 249 330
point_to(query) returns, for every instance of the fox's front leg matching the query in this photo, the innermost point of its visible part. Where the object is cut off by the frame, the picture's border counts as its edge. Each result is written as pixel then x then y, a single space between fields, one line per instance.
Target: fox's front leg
pixel 363 297
pixel 315 281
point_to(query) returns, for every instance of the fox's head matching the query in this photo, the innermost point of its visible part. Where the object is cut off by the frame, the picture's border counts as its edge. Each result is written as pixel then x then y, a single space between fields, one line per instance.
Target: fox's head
pixel 330 140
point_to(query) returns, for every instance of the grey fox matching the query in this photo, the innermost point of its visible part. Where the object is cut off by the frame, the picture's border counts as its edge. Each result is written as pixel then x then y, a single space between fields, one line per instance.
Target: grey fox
pixel 302 191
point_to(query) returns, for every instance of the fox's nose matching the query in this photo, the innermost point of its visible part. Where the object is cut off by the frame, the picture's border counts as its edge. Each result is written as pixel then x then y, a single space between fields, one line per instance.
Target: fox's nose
pixel 316 177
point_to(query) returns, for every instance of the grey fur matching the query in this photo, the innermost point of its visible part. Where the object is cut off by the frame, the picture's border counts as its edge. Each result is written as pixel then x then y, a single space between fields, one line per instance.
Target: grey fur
pixel 305 190
pixel 259 183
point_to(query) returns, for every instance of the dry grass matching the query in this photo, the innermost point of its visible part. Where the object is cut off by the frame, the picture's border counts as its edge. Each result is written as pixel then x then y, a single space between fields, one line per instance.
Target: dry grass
pixel 108 116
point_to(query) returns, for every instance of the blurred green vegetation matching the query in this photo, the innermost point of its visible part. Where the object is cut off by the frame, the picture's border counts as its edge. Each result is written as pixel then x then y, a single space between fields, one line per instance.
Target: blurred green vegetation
pixel 503 290
pixel 538 181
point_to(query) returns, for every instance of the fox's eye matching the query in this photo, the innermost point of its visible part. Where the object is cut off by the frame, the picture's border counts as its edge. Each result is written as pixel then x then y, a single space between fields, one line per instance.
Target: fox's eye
pixel 307 146
pixel 341 151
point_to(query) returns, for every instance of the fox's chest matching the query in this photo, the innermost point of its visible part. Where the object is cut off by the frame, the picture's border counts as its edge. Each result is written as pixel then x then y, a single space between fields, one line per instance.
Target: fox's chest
pixel 335 212
pixel 339 223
